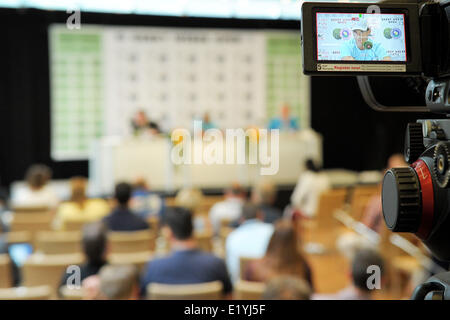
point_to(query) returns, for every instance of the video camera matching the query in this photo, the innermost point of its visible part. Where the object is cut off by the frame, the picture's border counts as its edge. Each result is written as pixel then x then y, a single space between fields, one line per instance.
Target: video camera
pixel 401 40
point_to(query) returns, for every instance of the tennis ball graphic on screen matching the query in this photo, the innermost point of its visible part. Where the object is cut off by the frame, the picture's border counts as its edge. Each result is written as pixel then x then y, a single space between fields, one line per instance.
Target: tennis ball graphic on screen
pixel 337 34
pixel 368 45
pixel 387 33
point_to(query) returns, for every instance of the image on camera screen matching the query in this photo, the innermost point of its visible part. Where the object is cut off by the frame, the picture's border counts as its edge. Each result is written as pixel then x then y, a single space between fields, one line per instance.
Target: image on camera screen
pixel 360 37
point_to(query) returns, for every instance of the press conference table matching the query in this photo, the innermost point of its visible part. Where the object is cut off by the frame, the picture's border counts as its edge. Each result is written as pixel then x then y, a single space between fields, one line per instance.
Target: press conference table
pixel 114 159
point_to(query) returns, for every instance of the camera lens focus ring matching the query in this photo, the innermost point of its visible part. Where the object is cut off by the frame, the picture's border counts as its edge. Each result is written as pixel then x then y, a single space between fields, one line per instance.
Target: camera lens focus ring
pixel 441 168
pixel 401 200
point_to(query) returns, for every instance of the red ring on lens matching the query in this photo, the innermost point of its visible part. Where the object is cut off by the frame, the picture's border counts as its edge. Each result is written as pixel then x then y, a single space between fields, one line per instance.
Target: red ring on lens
pixel 426 187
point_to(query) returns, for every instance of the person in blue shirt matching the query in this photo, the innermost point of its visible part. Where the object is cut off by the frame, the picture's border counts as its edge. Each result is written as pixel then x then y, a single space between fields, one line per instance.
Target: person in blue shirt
pixel 361 48
pixel 285 122
pixel 186 264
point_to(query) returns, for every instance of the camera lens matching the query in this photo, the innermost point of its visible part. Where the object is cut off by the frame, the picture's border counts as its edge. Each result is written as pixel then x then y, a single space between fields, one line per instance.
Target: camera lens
pixel 401 200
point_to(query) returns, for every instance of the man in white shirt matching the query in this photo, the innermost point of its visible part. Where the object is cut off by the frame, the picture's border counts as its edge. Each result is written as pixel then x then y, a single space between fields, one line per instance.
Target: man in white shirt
pixel 250 239
pixel 230 209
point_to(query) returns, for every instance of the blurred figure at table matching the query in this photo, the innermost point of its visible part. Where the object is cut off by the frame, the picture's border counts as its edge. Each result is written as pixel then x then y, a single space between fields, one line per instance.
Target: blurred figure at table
pixel 80 208
pixel 37 192
pixel 285 122
pixel 142 125
pixel 264 195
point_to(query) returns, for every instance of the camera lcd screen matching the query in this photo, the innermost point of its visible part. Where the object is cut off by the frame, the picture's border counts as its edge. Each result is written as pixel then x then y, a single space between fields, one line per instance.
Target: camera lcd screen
pixel 360 37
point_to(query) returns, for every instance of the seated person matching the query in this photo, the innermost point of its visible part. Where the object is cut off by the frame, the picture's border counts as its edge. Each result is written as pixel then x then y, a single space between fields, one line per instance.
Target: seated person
pixel 142 125
pixel 287 288
pixel 37 193
pixel 94 247
pixel 118 282
pixel 144 202
pixel 230 208
pixel 122 218
pixel 264 195
pixel 358 289
pixel 283 257
pixel 80 208
pixel 186 264
pixel 250 239
pixel 285 122
pixel 311 184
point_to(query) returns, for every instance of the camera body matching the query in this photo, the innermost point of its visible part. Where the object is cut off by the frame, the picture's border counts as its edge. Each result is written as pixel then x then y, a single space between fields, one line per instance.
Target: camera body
pixel 416 199
pixel 401 40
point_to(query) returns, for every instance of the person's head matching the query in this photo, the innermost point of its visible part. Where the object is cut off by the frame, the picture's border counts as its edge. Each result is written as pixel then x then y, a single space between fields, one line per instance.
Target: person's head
pixel 141 118
pixel 235 191
pixel 287 288
pixel 141 184
pixel 264 193
pixel 362 260
pixel 251 211
pixel 78 189
pixel 119 282
pixel 123 193
pixel 311 166
pixel 94 242
pixel 361 32
pixel 285 111
pixel 283 251
pixel 189 198
pixel 37 176
pixel 396 160
pixel 179 222
pixel 206 117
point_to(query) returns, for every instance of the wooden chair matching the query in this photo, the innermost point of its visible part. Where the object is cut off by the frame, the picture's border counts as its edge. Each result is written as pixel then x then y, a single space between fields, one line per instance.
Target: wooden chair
pixel 360 197
pixel 329 201
pixel 30 223
pixel 58 242
pixel 135 241
pixel 204 241
pixel 139 259
pixel 248 290
pixel 19 237
pixel 200 291
pixel 41 210
pixel 207 202
pixel 5 271
pixel 26 293
pixel 71 294
pixel 243 264
pixel 74 225
pixel 42 269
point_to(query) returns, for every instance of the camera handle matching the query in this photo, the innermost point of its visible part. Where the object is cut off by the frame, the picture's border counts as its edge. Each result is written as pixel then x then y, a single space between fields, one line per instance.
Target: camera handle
pixel 437 97
pixel 436 287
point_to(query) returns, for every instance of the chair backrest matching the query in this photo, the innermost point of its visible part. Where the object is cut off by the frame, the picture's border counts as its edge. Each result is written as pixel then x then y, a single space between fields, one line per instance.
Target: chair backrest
pixel 74 225
pixel 44 269
pixel 5 271
pixel 31 210
pixel 204 241
pixel 58 242
pixel 19 237
pixel 243 263
pixel 360 197
pixel 200 291
pixel 26 293
pixel 71 294
pixel 139 259
pixel 135 241
pixel 329 201
pixel 248 290
pixel 32 223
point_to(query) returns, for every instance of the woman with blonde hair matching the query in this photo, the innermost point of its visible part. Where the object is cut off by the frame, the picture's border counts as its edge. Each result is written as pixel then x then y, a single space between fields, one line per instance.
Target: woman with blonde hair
pixel 283 257
pixel 80 208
